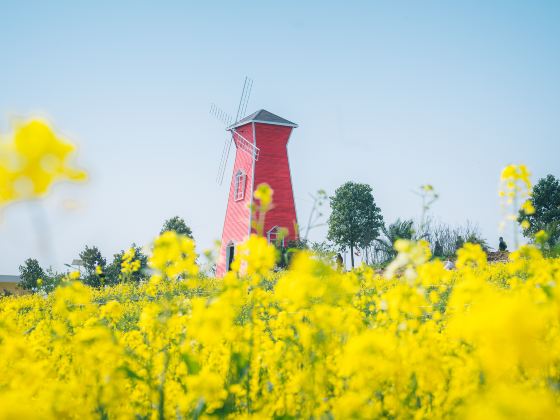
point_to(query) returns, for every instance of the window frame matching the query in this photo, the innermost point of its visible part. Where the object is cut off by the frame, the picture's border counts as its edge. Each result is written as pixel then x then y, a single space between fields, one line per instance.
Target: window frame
pixel 274 240
pixel 239 185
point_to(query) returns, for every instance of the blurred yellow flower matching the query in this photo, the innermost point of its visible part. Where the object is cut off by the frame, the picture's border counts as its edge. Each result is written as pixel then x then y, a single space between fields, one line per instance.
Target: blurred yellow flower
pixel 528 207
pixel 541 237
pixel 173 255
pixel 32 159
pixel 263 193
pixel 129 262
pixel 471 255
pixel 255 256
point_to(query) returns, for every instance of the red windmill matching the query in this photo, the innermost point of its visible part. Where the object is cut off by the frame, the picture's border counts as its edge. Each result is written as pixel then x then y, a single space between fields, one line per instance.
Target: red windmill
pixel 261 157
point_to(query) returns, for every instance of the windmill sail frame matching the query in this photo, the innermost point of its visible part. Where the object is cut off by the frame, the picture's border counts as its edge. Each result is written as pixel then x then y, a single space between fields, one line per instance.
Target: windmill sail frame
pixel 225 118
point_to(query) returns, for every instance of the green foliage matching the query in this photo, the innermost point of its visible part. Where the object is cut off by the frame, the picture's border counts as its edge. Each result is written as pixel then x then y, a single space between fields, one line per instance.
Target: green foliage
pixel 399 229
pixel 325 250
pixel 29 273
pixel 355 219
pixel 178 225
pixel 52 280
pixel 475 238
pixel 286 253
pixel 546 201
pixel 91 259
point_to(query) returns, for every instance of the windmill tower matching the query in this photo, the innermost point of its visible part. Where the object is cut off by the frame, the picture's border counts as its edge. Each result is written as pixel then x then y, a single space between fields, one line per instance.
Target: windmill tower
pixel 261 156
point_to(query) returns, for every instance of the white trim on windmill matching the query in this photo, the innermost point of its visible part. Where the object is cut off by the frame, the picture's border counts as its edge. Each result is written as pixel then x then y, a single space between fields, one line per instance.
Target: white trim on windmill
pixel 245 145
pixel 239 185
pixel 272 235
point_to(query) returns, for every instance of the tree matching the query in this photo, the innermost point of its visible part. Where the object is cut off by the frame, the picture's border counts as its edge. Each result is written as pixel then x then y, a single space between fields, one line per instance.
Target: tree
pixel 91 259
pixel 546 202
pixel 355 220
pixel 399 229
pixel 29 273
pixel 178 225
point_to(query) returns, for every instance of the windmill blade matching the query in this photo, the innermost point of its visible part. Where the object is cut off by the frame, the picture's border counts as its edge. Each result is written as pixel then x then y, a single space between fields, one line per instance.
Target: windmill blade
pixel 220 115
pixel 225 153
pixel 228 120
pixel 238 115
pixel 247 96
pixel 223 160
pixel 244 100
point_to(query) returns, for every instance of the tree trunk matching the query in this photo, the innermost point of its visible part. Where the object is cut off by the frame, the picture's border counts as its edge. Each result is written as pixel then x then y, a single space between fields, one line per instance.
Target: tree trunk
pixel 352 254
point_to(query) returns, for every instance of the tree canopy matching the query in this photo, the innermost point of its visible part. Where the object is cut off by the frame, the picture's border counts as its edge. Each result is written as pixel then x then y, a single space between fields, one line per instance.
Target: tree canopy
pixel 546 202
pixel 91 259
pixel 29 273
pixel 355 219
pixel 178 225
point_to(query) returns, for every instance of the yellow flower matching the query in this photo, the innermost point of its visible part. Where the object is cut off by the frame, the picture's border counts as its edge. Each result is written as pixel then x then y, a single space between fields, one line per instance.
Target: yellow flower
pixel 541 237
pixel 129 264
pixel 471 255
pixel 410 254
pixel 112 310
pixel 174 255
pixel 528 207
pixel 74 275
pixel 263 193
pixel 255 256
pixel 32 160
pixel 513 173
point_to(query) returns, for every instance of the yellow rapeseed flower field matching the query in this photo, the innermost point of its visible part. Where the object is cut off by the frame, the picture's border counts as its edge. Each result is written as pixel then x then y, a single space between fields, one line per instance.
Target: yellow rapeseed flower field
pixel 481 341
pixel 417 341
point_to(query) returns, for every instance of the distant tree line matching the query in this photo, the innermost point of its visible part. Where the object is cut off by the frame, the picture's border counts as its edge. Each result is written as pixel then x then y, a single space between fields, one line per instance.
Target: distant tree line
pixel 94 269
pixel 356 225
pixel 444 239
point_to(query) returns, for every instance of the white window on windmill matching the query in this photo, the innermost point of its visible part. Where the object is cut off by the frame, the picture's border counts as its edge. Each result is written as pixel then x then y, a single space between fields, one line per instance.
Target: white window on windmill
pixel 239 185
pixel 275 236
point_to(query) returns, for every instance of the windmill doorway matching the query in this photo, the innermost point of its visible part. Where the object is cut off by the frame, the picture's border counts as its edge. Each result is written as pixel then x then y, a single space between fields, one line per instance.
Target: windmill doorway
pixel 230 252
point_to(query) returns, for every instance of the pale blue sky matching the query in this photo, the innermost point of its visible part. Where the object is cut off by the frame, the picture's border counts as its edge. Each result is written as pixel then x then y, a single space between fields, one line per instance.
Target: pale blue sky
pixel 395 94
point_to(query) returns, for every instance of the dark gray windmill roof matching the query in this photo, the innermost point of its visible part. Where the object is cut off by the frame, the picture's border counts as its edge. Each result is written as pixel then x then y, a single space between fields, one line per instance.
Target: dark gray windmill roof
pixel 265 117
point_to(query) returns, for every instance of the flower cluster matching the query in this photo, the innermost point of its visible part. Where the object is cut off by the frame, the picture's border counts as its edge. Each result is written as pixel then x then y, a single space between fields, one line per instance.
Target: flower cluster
pixel 480 341
pixel 129 263
pixel 516 185
pixel 173 255
pixel 31 160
